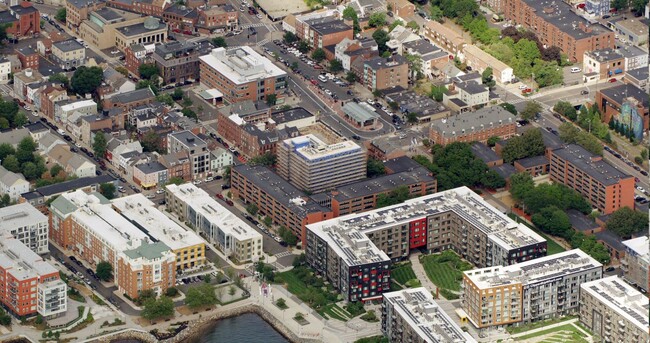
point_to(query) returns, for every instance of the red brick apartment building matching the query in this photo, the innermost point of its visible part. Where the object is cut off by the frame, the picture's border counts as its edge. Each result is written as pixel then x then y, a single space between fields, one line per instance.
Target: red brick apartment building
pixel 324 32
pixel 25 20
pixel 146 7
pixel 606 187
pixel 556 24
pixel 610 101
pixel 28 57
pixel 241 74
pixel 477 126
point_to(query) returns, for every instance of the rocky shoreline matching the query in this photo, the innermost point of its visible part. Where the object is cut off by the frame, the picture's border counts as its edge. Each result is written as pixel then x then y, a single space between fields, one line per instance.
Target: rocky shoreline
pixel 203 325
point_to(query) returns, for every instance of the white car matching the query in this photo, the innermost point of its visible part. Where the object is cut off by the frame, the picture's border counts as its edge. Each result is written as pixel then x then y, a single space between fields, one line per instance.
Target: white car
pixel 259 16
pixel 328 92
pixel 522 87
pixel 196 182
pixel 641 189
pixel 114 52
pixel 160 191
pixel 370 102
pixel 151 196
pixel 208 179
pixel 241 9
pixel 77 145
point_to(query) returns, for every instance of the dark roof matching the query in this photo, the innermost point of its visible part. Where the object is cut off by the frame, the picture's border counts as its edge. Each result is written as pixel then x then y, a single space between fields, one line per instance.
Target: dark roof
pixel 68 45
pixel 580 221
pixel 605 55
pixel 473 76
pixel 291 114
pixel 132 96
pixel 74 184
pixel 458 102
pixel 182 11
pixel 533 161
pixel 563 17
pixel 82 3
pixel 472 87
pixel 279 189
pixel 505 170
pixel 31 195
pixel 400 164
pixel 37 127
pixel 639 73
pixel 382 184
pixel 411 102
pixel 611 239
pixel 484 153
pixel 328 25
pixel 151 167
pixel 108 14
pixel 27 50
pixel 380 62
pixel 20 10
pixel 6 17
pixel 137 29
pixel 422 47
pixel 598 169
pixel 621 92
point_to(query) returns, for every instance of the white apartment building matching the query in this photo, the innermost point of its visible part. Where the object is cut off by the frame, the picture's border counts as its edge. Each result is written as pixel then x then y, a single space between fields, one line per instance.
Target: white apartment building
pixel 27 224
pixel 529 291
pixel 233 236
pixel 636 262
pixel 65 108
pixel 221 158
pixel 5 70
pixel 411 315
pixel 13 184
pixel 614 311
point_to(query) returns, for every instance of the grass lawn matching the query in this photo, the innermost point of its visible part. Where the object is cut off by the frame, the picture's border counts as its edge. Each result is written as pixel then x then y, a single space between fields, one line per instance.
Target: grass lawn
pixel 394 286
pixel 551 246
pixel 309 288
pixel 536 325
pixel 403 273
pixel 568 333
pixel 445 270
pixel 294 284
pixel 334 311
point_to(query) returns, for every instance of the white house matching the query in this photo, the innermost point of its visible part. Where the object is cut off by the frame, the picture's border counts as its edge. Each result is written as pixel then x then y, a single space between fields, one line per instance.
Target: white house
pixel 49 141
pixel 398 37
pixel 13 184
pixel 73 164
pixel 220 159
pixel 65 108
pixel 5 70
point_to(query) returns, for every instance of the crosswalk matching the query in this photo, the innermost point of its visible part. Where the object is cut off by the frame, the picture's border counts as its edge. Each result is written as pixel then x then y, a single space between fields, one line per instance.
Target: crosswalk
pixel 252 25
pixel 263 41
pixel 283 254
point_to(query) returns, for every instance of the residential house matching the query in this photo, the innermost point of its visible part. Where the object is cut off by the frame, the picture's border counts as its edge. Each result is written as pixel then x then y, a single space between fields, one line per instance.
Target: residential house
pixel 5 70
pixel 402 9
pixel 221 158
pixel 178 165
pixel 349 50
pixel 48 142
pixel 398 37
pixel 605 62
pixel 24 78
pixel 13 184
pixel 73 164
pixel 128 100
pixel 115 83
pixel 116 147
pixel 136 55
pixel 50 95
pixel 634 57
pixel 65 108
pixel 150 175
pixel 383 73
pixel 444 37
pixel 480 60
pixel 37 130
pixel 28 57
pixel 431 56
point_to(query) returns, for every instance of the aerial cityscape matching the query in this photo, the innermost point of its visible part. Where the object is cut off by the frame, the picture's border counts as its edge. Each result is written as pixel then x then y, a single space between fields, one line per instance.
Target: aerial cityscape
pixel 353 171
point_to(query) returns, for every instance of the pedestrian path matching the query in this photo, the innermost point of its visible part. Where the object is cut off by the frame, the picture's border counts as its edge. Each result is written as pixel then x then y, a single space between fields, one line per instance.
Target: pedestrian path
pixel 252 25
pixel 263 41
pixel 283 254
pixel 420 273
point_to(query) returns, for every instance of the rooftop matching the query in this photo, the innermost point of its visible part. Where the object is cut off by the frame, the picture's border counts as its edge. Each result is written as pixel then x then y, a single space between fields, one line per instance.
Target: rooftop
pixel 188 139
pixel 477 120
pixel 202 203
pixel 358 112
pixel 485 153
pixel 154 223
pixel 631 51
pixel 150 24
pixel 505 170
pixel 562 16
pixel 581 222
pixel 68 45
pixel 82 3
pixel 472 87
pixel 20 215
pixel 73 106
pixel 624 91
pixel 604 55
pixel 591 164
pixel 382 184
pixel 327 25
pixel 133 96
pixel 533 161
pixel 290 115
pixel 378 63
pixel 242 65
pixel 21 262
pixel 461 201
pixel 610 239
pixel 535 271
pixel 71 185
pixel 620 298
pixel 151 167
pixel 401 164
pixel 13 136
pixel 279 189
pixel 22 10
pixel 149 251
pixel 411 102
pixel 639 246
pixel 312 149
pixel 97 215
pixel 633 25
pixel 639 73
pixel 417 307
pixel 484 56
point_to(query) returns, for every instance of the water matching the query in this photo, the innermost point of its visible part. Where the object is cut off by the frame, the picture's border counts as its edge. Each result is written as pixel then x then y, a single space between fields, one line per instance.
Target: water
pixel 247 328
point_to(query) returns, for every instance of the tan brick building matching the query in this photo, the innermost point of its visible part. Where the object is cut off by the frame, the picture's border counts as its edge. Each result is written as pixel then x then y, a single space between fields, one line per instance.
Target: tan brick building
pixel 477 126
pixel 383 73
pixel 444 37
pixel 555 24
pixel 78 11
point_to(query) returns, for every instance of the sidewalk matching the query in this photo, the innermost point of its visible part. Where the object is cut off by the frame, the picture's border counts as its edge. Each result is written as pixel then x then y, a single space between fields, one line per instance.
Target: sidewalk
pixel 544 328
pixel 420 273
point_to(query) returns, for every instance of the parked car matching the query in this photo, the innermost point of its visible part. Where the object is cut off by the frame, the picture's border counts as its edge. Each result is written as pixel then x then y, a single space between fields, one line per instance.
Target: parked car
pixel 612 80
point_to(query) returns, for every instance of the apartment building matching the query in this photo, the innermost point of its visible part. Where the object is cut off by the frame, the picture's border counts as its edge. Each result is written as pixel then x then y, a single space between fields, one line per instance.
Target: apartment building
pixel 477 126
pixel 179 61
pixel 597 7
pixel 234 237
pixel 78 11
pixel 349 260
pixel 241 74
pixel 433 58
pixel 5 70
pixel 68 54
pixel 214 18
pixel 196 148
pixel 310 164
pixel 136 55
pixel 444 37
pixel 28 284
pixel 285 204
pixel 325 32
pixel 149 175
pixel 466 95
pixel 66 108
pixel 24 20
pixel 384 73
pixel 362 195
pixel 88 226
pixel 146 7
pixel 456 219
pixel 526 292
pixel 13 184
pixel 606 187
pixel 27 224
pixel 604 62
pixel 402 9
pixel 187 245
pixel 610 103
pixel 556 24
pixel 28 57
pixel 614 311
pixel 636 263
pixel 480 60
pixel 411 315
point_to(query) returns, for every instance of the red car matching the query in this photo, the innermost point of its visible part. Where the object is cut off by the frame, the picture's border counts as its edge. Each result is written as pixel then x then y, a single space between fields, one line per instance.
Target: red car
pixel 318 66
pixel 229 202
pixel 314 82
pixel 612 80
pixel 220 196
pixel 176 30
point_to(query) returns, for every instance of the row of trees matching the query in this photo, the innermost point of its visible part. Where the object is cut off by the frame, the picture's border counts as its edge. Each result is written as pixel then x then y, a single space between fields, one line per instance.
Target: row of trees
pixel 572 135
pixel 626 222
pixel 530 143
pixel 455 165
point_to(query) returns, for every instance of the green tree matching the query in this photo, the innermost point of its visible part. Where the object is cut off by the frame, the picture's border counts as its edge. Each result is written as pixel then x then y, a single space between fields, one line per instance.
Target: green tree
pixel 492 141
pixel 11 164
pixel 188 112
pixel 107 190
pixel 267 221
pixel 61 15
pixel 377 19
pixel 318 55
pixel 375 168
pixel 100 144
pixel 219 42
pixel 290 37
pixel 200 295
pixel 252 209
pixel 31 171
pixel 415 62
pixel 530 110
pixel 395 24
pixel 349 13
pixel 55 170
pixel 20 120
pixel 152 142
pixel 521 184
pixel 436 13
pixel 165 98
pixel 148 71
pixel 267 159
pixel 531 143
pixel 638 6
pixel 287 235
pixel 152 84
pixel 381 37
pixel 5 319
pixel 122 70
pixel 412 117
pixel 620 5
pixel 491 179
pixel 154 309
pixel 86 80
pixel 396 196
pixel 61 78
pixel 625 222
pixel 104 270
pixel 271 99
pixel 335 66
pixel 566 109
pixel 177 94
pixel 6 149
pixel 437 93
pixel 413 25
pixel 175 180
pixel 554 221
pixel 488 78
pixel 303 46
pixel 173 291
pixel 350 77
